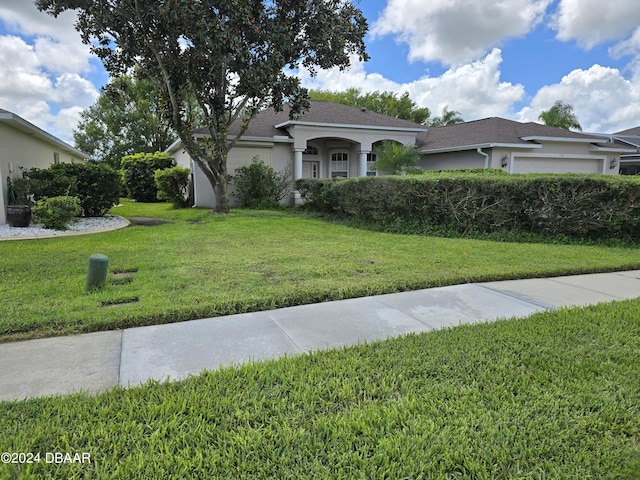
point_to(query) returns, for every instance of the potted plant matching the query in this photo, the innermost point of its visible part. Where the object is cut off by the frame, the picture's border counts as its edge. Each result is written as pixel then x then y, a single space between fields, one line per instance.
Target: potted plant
pixel 19 204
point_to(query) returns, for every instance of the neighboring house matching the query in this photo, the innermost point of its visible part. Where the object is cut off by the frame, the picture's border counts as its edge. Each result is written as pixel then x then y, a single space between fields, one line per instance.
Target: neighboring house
pixel 328 141
pixel 630 161
pixel 333 140
pixel 518 148
pixel 24 146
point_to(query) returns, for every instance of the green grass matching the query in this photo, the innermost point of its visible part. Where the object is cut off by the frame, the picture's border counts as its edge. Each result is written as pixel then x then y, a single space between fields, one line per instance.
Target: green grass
pixel 554 396
pixel 201 265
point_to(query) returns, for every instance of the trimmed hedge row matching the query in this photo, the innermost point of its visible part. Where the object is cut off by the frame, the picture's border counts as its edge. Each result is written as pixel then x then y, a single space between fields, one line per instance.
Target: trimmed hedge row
pixel 139 170
pixel 96 185
pixel 574 205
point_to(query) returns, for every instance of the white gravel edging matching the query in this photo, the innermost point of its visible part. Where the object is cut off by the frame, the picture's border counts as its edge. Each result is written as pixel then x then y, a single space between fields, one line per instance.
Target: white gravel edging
pixel 81 226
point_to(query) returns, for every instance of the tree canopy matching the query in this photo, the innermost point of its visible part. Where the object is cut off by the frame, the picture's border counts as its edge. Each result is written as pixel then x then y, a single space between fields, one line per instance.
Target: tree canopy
pixel 125 119
pixel 234 57
pixel 387 103
pixel 560 115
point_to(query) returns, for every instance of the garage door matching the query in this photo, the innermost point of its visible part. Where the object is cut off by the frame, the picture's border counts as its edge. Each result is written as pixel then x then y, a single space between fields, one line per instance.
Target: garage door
pixel 556 165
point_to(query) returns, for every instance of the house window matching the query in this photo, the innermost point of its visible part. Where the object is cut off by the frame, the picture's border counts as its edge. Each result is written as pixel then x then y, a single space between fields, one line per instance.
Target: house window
pixel 56 158
pixel 371 159
pixel 339 164
pixel 311 150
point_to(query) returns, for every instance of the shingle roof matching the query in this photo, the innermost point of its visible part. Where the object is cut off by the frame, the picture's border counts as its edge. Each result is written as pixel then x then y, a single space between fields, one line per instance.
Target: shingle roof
pixel 492 130
pixel 629 132
pixel 264 123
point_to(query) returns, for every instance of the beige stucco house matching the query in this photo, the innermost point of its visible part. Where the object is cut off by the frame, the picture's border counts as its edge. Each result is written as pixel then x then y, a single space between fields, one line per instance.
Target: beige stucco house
pixel 328 141
pixel 518 148
pixel 630 160
pixel 333 140
pixel 24 146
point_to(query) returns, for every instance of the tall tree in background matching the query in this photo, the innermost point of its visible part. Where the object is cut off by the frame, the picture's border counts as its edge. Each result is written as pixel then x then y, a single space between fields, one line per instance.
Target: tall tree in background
pixel 448 117
pixel 387 103
pixel 233 56
pixel 560 115
pixel 126 119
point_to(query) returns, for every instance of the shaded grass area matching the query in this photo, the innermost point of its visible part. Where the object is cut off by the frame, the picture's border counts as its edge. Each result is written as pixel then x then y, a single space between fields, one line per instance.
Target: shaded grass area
pixel 202 265
pixel 556 395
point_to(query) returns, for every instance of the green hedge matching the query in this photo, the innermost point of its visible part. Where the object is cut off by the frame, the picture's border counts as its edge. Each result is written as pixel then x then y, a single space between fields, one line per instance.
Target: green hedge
pixel 97 185
pixel 139 174
pixel 173 186
pixel 579 206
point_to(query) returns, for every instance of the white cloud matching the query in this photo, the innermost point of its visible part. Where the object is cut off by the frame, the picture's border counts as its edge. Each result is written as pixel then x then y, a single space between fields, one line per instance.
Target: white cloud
pixel 43 78
pixel 591 22
pixel 602 99
pixel 21 77
pixel 457 31
pixel 73 90
pixel 474 89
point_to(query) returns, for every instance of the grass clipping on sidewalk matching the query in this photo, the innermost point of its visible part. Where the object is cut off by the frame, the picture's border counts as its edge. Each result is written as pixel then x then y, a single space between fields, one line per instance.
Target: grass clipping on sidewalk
pixel 556 395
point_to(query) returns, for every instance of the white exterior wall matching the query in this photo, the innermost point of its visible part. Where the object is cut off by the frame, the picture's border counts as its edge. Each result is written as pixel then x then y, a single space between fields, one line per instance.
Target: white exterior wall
pixel 19 149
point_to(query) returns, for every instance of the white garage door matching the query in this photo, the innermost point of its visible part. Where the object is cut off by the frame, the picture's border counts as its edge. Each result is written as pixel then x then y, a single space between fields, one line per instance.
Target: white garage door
pixel 556 165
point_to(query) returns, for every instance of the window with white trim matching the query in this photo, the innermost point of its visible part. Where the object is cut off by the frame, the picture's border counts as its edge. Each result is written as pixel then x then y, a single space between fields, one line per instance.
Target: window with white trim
pixel 339 164
pixel 371 159
pixel 56 158
pixel 311 150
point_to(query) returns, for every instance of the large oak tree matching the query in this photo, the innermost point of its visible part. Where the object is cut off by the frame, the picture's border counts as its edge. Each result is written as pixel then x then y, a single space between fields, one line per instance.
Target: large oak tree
pixel 234 57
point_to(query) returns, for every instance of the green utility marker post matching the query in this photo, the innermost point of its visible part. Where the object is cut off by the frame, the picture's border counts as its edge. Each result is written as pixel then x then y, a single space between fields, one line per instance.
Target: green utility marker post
pixel 97 274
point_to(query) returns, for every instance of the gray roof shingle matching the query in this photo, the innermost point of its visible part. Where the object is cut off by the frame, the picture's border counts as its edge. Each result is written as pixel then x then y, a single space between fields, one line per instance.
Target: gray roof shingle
pixel 631 132
pixel 493 130
pixel 264 123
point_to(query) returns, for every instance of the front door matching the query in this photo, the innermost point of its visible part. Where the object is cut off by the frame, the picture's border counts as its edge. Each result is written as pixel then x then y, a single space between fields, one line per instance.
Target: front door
pixel 310 169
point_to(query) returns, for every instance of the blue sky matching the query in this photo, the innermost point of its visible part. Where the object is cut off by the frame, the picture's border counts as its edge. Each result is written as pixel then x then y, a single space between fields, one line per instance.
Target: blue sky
pixel 512 58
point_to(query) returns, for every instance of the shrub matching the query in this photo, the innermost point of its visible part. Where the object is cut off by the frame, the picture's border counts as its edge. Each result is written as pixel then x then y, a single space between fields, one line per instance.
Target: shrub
pixel 573 205
pixel 96 185
pixel 139 170
pixel 259 185
pixel 56 212
pixel 173 185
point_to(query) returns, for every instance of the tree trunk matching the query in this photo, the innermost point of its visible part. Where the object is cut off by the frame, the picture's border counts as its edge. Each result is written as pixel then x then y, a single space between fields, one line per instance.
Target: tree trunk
pixel 222 196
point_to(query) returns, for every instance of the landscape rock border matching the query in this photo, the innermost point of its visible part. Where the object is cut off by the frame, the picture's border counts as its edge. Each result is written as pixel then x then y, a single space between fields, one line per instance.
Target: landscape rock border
pixel 82 226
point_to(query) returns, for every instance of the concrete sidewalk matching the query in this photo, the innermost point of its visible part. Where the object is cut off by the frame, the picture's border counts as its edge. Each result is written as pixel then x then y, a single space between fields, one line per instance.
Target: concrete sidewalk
pixel 98 361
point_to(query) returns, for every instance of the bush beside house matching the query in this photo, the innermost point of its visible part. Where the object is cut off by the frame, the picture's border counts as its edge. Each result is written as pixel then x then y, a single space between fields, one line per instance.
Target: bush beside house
pixel 96 185
pixel 57 212
pixel 139 171
pixel 259 186
pixel 173 186
pixel 578 206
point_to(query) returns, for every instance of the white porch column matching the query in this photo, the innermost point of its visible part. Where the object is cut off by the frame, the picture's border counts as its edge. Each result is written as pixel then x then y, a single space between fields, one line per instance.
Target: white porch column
pixel 297 163
pixel 362 170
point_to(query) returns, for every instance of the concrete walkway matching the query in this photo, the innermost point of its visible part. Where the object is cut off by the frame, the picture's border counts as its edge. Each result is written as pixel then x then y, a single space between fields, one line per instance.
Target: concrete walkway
pixel 98 361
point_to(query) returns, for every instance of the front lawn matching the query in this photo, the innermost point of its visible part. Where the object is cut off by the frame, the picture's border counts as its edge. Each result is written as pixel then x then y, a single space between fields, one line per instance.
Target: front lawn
pixel 553 396
pixel 200 265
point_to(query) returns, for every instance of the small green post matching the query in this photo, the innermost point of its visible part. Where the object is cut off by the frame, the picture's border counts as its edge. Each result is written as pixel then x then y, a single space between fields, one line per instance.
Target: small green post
pixel 97 274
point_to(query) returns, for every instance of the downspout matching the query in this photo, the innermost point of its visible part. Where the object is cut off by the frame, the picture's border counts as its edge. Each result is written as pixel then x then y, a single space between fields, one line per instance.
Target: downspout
pixel 485 155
